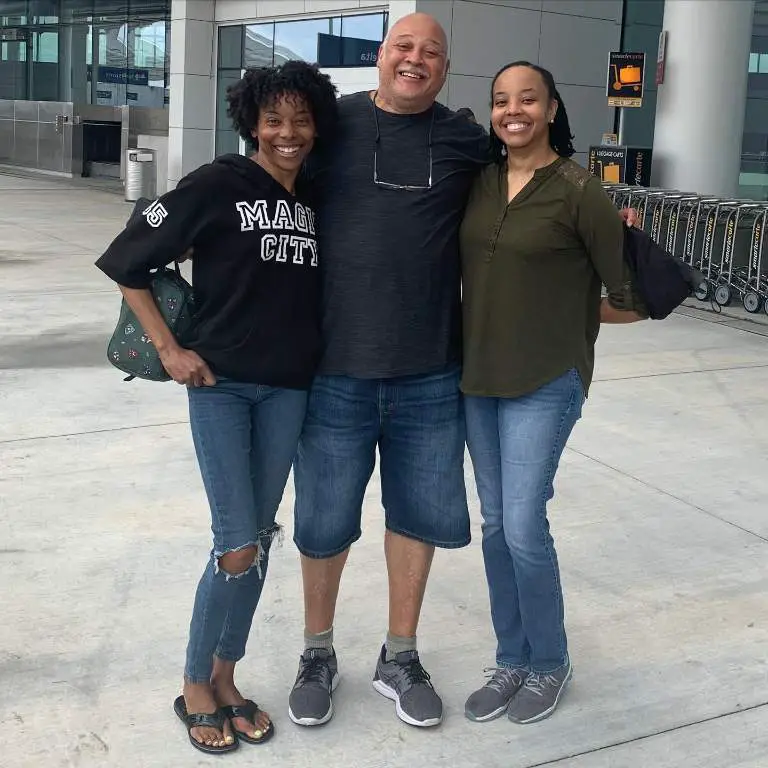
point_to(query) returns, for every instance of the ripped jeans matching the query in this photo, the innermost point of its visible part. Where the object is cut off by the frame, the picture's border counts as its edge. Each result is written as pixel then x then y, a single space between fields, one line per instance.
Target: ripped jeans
pixel 245 437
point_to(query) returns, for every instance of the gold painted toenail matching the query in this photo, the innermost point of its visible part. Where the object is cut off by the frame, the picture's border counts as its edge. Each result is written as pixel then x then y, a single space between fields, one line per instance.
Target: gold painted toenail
pixel 257 734
pixel 230 740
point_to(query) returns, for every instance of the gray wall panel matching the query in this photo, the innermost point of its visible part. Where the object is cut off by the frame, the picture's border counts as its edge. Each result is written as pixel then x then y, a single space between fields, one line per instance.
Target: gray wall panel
pixel 485 37
pixel 6 140
pixel 587 113
pixel 576 49
pixel 591 9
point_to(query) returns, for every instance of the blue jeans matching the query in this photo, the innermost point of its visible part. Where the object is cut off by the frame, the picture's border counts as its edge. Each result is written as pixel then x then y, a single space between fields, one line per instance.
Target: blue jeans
pixel 417 422
pixel 245 438
pixel 515 445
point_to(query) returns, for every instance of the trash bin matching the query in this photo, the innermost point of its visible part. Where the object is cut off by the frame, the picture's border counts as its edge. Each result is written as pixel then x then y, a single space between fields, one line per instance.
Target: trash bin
pixel 140 174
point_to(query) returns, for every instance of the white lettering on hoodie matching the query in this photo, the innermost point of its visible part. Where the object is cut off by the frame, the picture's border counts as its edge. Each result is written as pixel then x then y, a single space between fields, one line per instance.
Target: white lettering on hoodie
pixel 284 247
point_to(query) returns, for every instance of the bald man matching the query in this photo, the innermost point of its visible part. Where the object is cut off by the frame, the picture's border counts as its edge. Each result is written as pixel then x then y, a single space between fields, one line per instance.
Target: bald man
pixel 392 192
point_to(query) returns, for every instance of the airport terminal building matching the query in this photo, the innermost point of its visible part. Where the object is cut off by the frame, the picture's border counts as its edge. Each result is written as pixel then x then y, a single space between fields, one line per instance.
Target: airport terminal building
pixel 82 81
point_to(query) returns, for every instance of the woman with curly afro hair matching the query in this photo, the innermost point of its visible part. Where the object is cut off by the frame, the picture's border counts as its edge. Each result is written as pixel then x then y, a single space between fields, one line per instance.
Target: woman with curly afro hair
pixel 247 364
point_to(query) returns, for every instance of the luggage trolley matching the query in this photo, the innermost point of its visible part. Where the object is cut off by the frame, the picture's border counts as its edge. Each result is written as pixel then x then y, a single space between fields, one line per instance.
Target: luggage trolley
pixel 637 198
pixel 755 294
pixel 731 281
pixel 619 193
pixel 650 211
pixel 693 231
pixel 706 237
pixel 612 190
pixel 682 209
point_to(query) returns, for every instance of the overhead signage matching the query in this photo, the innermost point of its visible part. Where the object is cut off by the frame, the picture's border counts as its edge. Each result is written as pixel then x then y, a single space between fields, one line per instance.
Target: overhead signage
pixel 626 77
pixel 335 51
pixel 119 76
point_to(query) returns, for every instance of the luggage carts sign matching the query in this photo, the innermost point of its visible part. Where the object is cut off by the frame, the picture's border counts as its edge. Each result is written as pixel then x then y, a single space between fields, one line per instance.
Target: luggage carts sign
pixel 626 77
pixel 621 165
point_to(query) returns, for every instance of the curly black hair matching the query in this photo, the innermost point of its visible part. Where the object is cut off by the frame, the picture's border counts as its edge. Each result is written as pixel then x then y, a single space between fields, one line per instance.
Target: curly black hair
pixel 262 87
pixel 560 136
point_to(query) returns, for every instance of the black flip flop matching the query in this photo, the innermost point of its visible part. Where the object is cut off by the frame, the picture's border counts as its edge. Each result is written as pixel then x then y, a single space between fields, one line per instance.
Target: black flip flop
pixel 250 711
pixel 202 720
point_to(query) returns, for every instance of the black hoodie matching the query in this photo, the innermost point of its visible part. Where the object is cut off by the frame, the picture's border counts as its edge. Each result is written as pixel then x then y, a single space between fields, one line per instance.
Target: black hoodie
pixel 254 270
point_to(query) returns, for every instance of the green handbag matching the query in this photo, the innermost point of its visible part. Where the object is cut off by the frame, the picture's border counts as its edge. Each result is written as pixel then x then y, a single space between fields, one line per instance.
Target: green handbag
pixel 130 349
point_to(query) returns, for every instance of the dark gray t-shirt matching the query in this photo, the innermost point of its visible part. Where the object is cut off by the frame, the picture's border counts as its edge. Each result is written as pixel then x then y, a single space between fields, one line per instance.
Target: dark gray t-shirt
pixel 390 257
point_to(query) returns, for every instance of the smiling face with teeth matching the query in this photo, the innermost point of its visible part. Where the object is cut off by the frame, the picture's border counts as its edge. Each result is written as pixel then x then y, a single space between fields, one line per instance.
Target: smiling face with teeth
pixel 413 64
pixel 522 109
pixel 285 134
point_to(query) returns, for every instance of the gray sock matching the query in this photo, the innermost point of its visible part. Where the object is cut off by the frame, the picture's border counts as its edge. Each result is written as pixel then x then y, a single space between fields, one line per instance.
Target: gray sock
pixel 322 640
pixel 396 644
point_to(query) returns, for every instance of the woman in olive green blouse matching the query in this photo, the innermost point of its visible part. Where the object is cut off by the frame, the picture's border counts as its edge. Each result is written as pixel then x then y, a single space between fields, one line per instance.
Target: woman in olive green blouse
pixel 538 240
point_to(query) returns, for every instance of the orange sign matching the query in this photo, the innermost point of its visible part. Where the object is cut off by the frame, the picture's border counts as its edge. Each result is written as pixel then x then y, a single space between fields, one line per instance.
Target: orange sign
pixel 626 74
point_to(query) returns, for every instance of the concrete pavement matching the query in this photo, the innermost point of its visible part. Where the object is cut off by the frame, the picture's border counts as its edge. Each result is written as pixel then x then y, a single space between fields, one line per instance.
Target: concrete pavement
pixel 661 519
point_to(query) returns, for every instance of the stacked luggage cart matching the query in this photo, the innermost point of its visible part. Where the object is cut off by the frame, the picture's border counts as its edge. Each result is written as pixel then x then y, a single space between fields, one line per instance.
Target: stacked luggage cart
pixel 723 239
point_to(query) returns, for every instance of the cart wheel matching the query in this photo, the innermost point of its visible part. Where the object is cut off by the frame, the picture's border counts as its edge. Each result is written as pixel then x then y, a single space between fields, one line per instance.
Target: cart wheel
pixel 751 302
pixel 723 295
pixel 765 306
pixel 702 292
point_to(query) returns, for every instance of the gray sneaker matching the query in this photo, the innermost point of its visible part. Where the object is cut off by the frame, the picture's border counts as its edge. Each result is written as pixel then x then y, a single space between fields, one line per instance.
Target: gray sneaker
pixel 539 695
pixel 310 702
pixel 407 683
pixel 490 701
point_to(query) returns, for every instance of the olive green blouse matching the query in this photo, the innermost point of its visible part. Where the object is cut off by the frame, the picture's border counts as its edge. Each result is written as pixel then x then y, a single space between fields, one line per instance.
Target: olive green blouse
pixel 532 276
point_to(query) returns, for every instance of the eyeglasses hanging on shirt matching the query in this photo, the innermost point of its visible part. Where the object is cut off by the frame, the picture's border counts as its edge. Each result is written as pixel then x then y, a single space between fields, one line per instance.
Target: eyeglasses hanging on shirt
pixel 391 185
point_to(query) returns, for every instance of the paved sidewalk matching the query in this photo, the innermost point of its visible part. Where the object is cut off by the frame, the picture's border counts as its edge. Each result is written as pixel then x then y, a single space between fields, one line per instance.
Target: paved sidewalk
pixel 661 518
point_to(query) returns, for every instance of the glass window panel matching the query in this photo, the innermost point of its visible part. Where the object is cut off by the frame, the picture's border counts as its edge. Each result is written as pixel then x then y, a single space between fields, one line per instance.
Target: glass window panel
pixel 147 45
pixel 366 27
pixel 111 10
pixel 145 76
pixel 46 47
pixel 753 62
pixel 361 37
pixel 299 39
pixel 43 11
pixel 763 66
pixel 226 78
pixel 227 143
pixel 111 37
pixel 44 82
pixel 76 10
pixel 227 140
pixel 231 47
pixel 13 70
pixel 258 45
pixel 13 12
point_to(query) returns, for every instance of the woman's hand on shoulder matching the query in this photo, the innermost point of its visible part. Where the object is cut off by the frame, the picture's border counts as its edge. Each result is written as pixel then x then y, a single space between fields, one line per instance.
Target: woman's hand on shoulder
pixel 187 367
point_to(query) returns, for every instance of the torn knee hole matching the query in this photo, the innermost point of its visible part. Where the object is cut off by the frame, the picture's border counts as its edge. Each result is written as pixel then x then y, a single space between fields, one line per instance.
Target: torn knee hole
pixel 239 561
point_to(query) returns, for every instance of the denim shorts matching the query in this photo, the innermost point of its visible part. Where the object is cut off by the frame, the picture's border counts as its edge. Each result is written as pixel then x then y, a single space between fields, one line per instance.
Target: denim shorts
pixel 245 439
pixel 417 423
